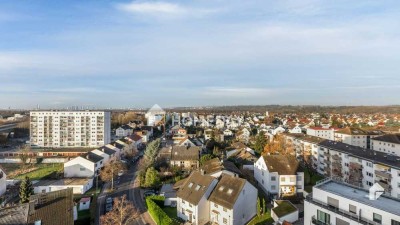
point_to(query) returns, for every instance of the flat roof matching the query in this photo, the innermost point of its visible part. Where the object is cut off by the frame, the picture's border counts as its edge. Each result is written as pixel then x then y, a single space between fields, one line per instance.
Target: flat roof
pixel 384 203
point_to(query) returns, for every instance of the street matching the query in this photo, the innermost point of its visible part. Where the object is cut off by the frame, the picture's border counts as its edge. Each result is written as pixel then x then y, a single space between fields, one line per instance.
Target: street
pixel 126 186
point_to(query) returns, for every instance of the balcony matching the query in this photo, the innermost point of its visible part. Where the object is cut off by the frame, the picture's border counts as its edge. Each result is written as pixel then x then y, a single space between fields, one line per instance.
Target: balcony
pixel 383 174
pixel 385 185
pixel 355 166
pixel 349 215
pixel 336 157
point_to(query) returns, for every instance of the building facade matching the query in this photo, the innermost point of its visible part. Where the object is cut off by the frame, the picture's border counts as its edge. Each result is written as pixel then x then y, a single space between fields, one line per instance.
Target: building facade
pixel 68 129
pixel 336 203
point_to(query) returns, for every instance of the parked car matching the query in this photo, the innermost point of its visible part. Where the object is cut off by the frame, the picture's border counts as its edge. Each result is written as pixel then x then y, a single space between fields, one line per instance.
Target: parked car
pixel 109 200
pixel 109 207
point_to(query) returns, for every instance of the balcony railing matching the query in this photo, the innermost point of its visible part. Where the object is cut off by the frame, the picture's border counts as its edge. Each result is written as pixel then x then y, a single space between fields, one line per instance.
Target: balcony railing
pixel 349 215
pixel 383 174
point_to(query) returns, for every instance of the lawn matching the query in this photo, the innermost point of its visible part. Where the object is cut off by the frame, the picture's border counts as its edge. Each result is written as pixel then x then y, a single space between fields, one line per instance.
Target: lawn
pixel 42 171
pixel 311 180
pixel 83 217
pixel 262 220
pixel 171 212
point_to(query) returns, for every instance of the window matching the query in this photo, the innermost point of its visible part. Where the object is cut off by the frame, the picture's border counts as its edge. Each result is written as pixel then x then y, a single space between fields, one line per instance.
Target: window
pixel 394 222
pixel 369 174
pixel 323 217
pixel 398 185
pixel 82 169
pixel 262 173
pixel 215 205
pixel 292 179
pixel 282 179
pixel 273 187
pixel 353 209
pixel 273 178
pixel 183 201
pixel 369 164
pixel 377 218
pixel 225 220
pixel 262 181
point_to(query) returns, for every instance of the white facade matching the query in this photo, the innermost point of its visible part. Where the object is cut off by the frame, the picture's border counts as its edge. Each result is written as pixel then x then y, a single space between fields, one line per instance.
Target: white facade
pixel 340 204
pixel 320 132
pixel 81 167
pixel 196 214
pixel 387 147
pixel 3 182
pixel 79 186
pixel 62 129
pixel 244 209
pixel 274 183
pixel 123 131
pixel 351 164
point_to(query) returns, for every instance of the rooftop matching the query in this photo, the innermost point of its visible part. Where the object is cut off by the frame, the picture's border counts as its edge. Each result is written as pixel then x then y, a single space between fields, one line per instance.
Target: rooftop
pixel 227 191
pixel 384 203
pixel 195 187
pixel 391 138
pixel 284 165
pixel 283 208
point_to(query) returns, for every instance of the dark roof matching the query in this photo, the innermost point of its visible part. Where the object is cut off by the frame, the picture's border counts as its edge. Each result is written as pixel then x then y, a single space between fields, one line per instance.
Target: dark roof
pixel 215 165
pixel 55 207
pixel 391 138
pixel 118 145
pixel 284 165
pixel 195 187
pixel 148 128
pixel 185 153
pixel 16 215
pixel 92 157
pixel 107 150
pixel 227 191
pixel 239 145
pixel 135 137
pixel 126 127
pixel 354 151
pixel 359 131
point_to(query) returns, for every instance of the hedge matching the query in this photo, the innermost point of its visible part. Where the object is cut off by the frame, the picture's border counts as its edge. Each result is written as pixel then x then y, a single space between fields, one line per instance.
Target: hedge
pixel 158 215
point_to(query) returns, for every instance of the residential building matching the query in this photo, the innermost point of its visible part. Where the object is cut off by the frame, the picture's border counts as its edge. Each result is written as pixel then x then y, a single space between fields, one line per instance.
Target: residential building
pixel 68 129
pixel 279 175
pixel 389 143
pixel 78 185
pixel 351 164
pixel 233 201
pixel 321 132
pixel 155 116
pixel 47 208
pixel 123 131
pixel 284 211
pixel 356 136
pixel 185 157
pixel 336 203
pixel 215 168
pixel 87 165
pixel 192 198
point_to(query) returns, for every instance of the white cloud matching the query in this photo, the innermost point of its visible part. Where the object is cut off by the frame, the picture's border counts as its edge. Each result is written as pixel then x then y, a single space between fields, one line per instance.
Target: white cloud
pixel 152 8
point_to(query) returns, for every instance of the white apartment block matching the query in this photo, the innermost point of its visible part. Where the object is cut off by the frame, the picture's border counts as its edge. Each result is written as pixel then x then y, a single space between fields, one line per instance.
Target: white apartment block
pixel 67 129
pixel 320 132
pixel 351 164
pixel 336 203
pixel 389 143
pixel 356 136
pixel 278 175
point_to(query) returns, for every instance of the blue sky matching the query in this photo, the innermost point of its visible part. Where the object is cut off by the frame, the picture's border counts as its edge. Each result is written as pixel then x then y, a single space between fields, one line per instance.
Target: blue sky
pixel 193 53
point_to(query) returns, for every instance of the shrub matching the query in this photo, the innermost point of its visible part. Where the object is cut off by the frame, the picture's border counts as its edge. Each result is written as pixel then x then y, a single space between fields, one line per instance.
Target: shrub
pixel 158 215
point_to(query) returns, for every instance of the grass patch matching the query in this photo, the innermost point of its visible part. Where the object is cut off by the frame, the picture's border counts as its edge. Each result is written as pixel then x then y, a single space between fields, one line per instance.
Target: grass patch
pixel 10 167
pixel 42 171
pixel 310 181
pixel 83 217
pixel 283 208
pixel 171 212
pixel 262 219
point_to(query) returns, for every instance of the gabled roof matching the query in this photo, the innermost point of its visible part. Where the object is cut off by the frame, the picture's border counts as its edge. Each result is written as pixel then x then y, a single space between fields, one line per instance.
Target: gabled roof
pixel 185 153
pixel 227 191
pixel 135 137
pixel 215 165
pixel 195 187
pixel 284 165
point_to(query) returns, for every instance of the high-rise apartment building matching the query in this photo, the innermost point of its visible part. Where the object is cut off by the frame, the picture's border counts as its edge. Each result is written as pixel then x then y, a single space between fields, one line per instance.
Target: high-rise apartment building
pixel 63 129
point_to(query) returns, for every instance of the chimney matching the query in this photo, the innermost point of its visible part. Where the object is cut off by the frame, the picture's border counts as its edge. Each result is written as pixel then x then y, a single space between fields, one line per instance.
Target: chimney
pixel 31 208
pixel 87 156
pixel 102 149
pixel 202 171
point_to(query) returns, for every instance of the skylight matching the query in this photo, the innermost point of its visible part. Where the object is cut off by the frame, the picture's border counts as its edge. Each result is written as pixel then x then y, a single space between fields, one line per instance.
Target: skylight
pixel 221 188
pixel 190 184
pixel 229 191
pixel 198 187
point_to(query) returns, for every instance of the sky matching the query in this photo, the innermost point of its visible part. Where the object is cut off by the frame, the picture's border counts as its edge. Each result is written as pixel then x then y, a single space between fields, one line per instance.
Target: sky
pixel 123 54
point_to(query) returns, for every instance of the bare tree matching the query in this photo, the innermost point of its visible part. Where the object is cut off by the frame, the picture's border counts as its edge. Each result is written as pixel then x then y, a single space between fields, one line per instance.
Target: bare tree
pixel 123 213
pixel 24 155
pixel 111 170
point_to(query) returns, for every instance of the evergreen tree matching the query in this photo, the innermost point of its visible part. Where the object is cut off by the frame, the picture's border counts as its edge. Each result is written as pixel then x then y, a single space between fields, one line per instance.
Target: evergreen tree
pixel 258 207
pixel 152 177
pixel 260 142
pixel 25 190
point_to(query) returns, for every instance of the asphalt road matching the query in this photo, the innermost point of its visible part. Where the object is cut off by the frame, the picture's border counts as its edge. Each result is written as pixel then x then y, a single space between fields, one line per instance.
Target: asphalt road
pixel 124 185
